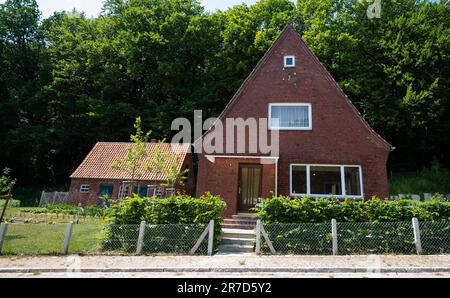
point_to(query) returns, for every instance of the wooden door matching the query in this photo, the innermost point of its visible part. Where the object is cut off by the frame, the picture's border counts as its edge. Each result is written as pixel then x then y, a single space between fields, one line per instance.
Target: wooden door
pixel 249 189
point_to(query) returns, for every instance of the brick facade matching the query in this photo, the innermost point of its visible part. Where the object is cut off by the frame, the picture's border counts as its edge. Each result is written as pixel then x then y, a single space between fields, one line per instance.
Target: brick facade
pixel 339 135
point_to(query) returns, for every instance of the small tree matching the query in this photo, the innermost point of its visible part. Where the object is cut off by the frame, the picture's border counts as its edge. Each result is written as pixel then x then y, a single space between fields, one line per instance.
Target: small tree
pixel 6 186
pixel 6 182
pixel 162 162
pixel 134 160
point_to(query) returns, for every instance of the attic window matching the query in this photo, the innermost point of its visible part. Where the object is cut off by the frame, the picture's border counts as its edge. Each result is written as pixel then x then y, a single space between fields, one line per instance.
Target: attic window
pixel 289 61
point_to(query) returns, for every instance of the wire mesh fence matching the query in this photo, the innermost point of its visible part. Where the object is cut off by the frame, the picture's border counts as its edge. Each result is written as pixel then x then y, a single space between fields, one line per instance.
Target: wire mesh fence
pixel 53 197
pixel 435 237
pixel 357 238
pixel 304 238
pixel 158 239
pixel 98 238
pixel 375 238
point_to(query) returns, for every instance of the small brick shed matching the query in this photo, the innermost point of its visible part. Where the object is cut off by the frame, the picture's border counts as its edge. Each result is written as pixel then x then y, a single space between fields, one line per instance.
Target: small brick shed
pixel 95 175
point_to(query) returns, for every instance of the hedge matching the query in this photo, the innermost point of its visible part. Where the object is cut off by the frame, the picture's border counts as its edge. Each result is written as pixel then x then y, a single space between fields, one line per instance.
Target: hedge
pixel 173 224
pixel 319 210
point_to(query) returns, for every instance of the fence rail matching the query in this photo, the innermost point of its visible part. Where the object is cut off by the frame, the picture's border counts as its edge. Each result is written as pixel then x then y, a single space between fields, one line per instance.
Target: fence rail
pixel 354 238
pixel 93 238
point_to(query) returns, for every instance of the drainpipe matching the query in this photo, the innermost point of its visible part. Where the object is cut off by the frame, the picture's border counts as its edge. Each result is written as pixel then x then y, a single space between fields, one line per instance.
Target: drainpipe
pixel 276 176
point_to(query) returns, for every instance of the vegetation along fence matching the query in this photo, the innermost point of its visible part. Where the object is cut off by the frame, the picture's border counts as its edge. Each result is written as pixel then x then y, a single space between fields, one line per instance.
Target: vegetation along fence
pixel 354 238
pixel 96 238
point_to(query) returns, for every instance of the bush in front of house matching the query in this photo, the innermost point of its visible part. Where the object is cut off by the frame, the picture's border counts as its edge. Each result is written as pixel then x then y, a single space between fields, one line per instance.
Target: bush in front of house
pixel 282 209
pixel 302 225
pixel 173 224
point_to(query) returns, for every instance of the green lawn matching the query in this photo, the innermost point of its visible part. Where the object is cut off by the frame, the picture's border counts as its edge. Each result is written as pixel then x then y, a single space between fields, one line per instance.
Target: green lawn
pixel 47 239
pixel 23 215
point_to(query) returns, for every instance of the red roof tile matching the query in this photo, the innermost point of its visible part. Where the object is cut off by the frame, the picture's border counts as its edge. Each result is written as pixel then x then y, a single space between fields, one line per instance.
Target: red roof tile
pixel 98 163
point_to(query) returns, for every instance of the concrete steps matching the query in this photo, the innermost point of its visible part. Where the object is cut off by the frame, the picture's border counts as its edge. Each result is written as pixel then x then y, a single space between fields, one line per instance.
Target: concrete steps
pixel 237 241
pixel 233 248
pixel 244 221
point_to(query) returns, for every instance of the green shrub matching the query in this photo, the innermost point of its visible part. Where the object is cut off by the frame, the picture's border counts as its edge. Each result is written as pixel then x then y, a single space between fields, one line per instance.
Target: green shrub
pixel 11 203
pixel 127 214
pixel 430 180
pixel 310 210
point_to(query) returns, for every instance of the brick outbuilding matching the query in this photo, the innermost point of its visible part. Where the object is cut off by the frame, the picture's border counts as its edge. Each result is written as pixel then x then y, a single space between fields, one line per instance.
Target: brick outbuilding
pixel 325 149
pixel 95 176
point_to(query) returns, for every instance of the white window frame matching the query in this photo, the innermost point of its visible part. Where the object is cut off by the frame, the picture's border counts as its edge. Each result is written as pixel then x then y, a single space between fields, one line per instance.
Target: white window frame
pixel 308 181
pixel 285 61
pixel 84 188
pixel 121 193
pixel 309 127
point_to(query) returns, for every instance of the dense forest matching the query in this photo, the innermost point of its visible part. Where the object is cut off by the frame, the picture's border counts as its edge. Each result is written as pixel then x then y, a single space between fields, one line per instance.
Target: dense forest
pixel 68 81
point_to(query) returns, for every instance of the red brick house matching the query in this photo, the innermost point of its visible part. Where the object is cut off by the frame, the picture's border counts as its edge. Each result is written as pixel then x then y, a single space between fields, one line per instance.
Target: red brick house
pixel 326 148
pixel 95 176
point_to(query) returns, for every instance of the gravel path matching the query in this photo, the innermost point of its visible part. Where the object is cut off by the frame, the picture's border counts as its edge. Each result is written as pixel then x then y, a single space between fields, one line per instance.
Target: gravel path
pixel 372 262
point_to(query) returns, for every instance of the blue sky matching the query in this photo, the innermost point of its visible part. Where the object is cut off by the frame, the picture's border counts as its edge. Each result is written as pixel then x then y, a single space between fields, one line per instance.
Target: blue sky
pixel 93 7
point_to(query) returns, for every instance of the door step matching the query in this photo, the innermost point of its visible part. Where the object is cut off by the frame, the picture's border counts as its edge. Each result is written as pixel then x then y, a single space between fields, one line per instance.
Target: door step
pixel 234 248
pixel 238 233
pixel 239 222
pixel 237 241
pixel 245 215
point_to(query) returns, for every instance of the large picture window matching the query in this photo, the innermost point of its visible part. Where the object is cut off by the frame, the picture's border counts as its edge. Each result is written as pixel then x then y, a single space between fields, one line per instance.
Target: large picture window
pixel 290 116
pixel 326 181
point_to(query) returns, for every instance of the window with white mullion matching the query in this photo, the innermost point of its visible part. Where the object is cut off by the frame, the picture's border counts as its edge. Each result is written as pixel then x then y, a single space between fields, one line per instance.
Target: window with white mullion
pixel 326 180
pixel 290 116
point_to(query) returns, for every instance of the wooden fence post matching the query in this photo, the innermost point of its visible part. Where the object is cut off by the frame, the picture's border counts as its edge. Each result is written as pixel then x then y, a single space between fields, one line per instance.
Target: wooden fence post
pixel 3 230
pixel 211 237
pixel 417 240
pixel 334 236
pixel 67 238
pixel 140 242
pixel 258 237
pixel 266 237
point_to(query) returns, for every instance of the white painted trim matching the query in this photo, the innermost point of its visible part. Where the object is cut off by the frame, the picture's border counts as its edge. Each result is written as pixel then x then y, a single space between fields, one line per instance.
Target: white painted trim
pixel 290 104
pixel 285 59
pixel 308 181
pixel 343 190
pixel 241 156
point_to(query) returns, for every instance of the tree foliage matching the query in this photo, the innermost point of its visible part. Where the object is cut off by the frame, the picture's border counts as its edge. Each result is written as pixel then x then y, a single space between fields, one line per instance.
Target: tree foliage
pixel 69 81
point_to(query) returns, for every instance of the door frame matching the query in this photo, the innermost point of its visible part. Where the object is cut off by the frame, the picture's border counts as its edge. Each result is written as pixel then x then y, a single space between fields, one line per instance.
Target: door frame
pixel 238 195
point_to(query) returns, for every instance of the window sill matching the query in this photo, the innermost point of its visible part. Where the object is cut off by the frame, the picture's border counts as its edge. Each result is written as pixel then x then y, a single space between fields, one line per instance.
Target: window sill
pixel 327 196
pixel 290 128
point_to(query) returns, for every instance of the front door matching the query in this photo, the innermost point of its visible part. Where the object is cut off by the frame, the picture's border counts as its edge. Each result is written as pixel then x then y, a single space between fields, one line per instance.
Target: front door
pixel 249 189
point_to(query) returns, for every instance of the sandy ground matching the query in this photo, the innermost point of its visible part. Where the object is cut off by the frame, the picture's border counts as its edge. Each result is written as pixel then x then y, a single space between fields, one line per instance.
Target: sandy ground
pixel 227 266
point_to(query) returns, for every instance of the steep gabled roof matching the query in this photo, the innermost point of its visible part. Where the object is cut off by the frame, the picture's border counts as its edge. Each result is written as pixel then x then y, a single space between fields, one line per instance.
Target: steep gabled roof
pixel 98 163
pixel 285 32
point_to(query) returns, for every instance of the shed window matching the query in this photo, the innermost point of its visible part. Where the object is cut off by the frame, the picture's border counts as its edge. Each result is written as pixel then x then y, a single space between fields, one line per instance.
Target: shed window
pixel 84 188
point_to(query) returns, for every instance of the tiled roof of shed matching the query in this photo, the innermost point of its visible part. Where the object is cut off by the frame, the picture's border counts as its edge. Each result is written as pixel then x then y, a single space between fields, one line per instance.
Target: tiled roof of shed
pixel 98 163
